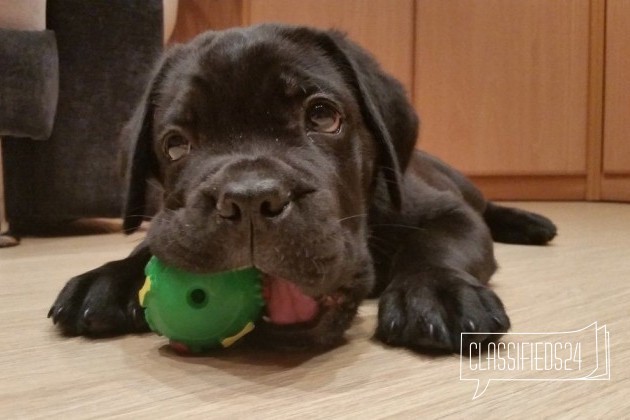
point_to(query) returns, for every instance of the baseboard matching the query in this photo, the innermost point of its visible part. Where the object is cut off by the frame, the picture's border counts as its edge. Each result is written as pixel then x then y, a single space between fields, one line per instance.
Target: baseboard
pixel 615 188
pixel 532 187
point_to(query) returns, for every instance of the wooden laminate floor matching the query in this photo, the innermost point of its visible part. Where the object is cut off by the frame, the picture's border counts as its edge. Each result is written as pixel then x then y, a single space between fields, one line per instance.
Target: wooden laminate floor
pixel 582 278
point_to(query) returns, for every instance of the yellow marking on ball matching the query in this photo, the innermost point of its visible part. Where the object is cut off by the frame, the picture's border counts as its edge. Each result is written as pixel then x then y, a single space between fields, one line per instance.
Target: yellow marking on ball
pixel 142 293
pixel 227 342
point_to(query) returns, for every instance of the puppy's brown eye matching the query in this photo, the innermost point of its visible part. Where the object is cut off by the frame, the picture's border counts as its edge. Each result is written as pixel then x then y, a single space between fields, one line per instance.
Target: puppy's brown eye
pixel 176 146
pixel 323 118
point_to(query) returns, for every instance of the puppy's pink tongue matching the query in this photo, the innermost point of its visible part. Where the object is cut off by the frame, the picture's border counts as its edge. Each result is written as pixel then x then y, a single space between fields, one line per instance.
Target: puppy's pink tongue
pixel 286 304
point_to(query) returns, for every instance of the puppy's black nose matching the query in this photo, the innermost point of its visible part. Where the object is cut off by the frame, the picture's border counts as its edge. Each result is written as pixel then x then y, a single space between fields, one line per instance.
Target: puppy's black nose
pixel 253 198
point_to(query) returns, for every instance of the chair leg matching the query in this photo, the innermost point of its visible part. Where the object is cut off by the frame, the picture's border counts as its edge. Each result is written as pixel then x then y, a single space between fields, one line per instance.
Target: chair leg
pixel 6 239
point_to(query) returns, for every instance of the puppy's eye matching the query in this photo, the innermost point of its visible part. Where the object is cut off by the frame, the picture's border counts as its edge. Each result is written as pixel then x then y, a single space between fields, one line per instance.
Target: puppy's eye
pixel 323 118
pixel 175 146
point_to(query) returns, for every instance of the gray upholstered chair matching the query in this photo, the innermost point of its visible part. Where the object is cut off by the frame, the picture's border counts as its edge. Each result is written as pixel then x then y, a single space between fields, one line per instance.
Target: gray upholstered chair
pixel 65 93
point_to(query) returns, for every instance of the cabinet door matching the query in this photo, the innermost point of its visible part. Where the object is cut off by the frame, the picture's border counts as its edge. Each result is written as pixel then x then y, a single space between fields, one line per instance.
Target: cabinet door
pixel 384 27
pixel 197 16
pixel 616 159
pixel 502 86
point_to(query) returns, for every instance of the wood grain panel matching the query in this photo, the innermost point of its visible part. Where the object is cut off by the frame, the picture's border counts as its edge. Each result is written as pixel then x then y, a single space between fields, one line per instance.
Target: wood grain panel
pixel 502 85
pixel 615 188
pixel 196 16
pixel 531 187
pixel 384 27
pixel 617 101
pixel 595 122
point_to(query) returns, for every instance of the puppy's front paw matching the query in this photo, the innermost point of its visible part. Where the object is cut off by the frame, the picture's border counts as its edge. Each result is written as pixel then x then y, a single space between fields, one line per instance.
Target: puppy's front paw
pixel 431 314
pixel 101 302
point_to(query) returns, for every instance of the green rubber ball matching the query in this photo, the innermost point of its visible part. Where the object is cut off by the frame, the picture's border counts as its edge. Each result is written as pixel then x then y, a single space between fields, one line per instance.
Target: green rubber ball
pixel 200 312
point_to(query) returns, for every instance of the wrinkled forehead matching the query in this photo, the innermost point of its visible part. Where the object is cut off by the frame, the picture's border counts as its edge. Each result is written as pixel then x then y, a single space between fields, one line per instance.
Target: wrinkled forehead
pixel 255 81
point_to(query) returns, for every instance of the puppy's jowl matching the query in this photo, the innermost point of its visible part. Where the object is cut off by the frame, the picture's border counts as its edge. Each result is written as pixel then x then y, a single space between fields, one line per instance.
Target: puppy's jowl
pixel 289 149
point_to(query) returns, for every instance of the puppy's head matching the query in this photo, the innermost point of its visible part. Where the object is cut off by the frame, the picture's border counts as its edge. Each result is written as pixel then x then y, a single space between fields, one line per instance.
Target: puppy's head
pixel 269 143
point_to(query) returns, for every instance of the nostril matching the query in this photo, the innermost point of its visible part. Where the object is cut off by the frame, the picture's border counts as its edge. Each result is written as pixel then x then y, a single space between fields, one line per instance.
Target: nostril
pixel 251 199
pixel 273 208
pixel 228 209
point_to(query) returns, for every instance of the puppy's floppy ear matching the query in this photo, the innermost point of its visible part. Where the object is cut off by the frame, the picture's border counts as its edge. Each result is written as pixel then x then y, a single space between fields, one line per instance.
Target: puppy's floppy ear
pixel 140 163
pixel 384 106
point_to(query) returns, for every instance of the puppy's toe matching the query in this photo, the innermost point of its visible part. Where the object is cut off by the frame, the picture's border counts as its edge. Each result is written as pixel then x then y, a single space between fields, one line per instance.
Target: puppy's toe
pixel 102 322
pixel 101 312
pixel 412 320
pixel 65 309
pixel 429 331
pixel 392 318
pixel 479 314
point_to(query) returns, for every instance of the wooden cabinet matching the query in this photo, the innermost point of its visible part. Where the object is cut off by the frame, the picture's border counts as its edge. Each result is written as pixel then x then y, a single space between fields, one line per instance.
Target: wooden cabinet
pixel 502 88
pixel 384 27
pixel 197 16
pixel 616 141
pixel 531 98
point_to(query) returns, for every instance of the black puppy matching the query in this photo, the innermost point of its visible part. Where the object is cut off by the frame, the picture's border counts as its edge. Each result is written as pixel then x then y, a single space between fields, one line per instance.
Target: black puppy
pixel 289 149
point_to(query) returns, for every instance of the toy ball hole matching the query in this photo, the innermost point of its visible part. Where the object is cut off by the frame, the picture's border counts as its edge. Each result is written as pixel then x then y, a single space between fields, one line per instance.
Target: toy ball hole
pixel 197 298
